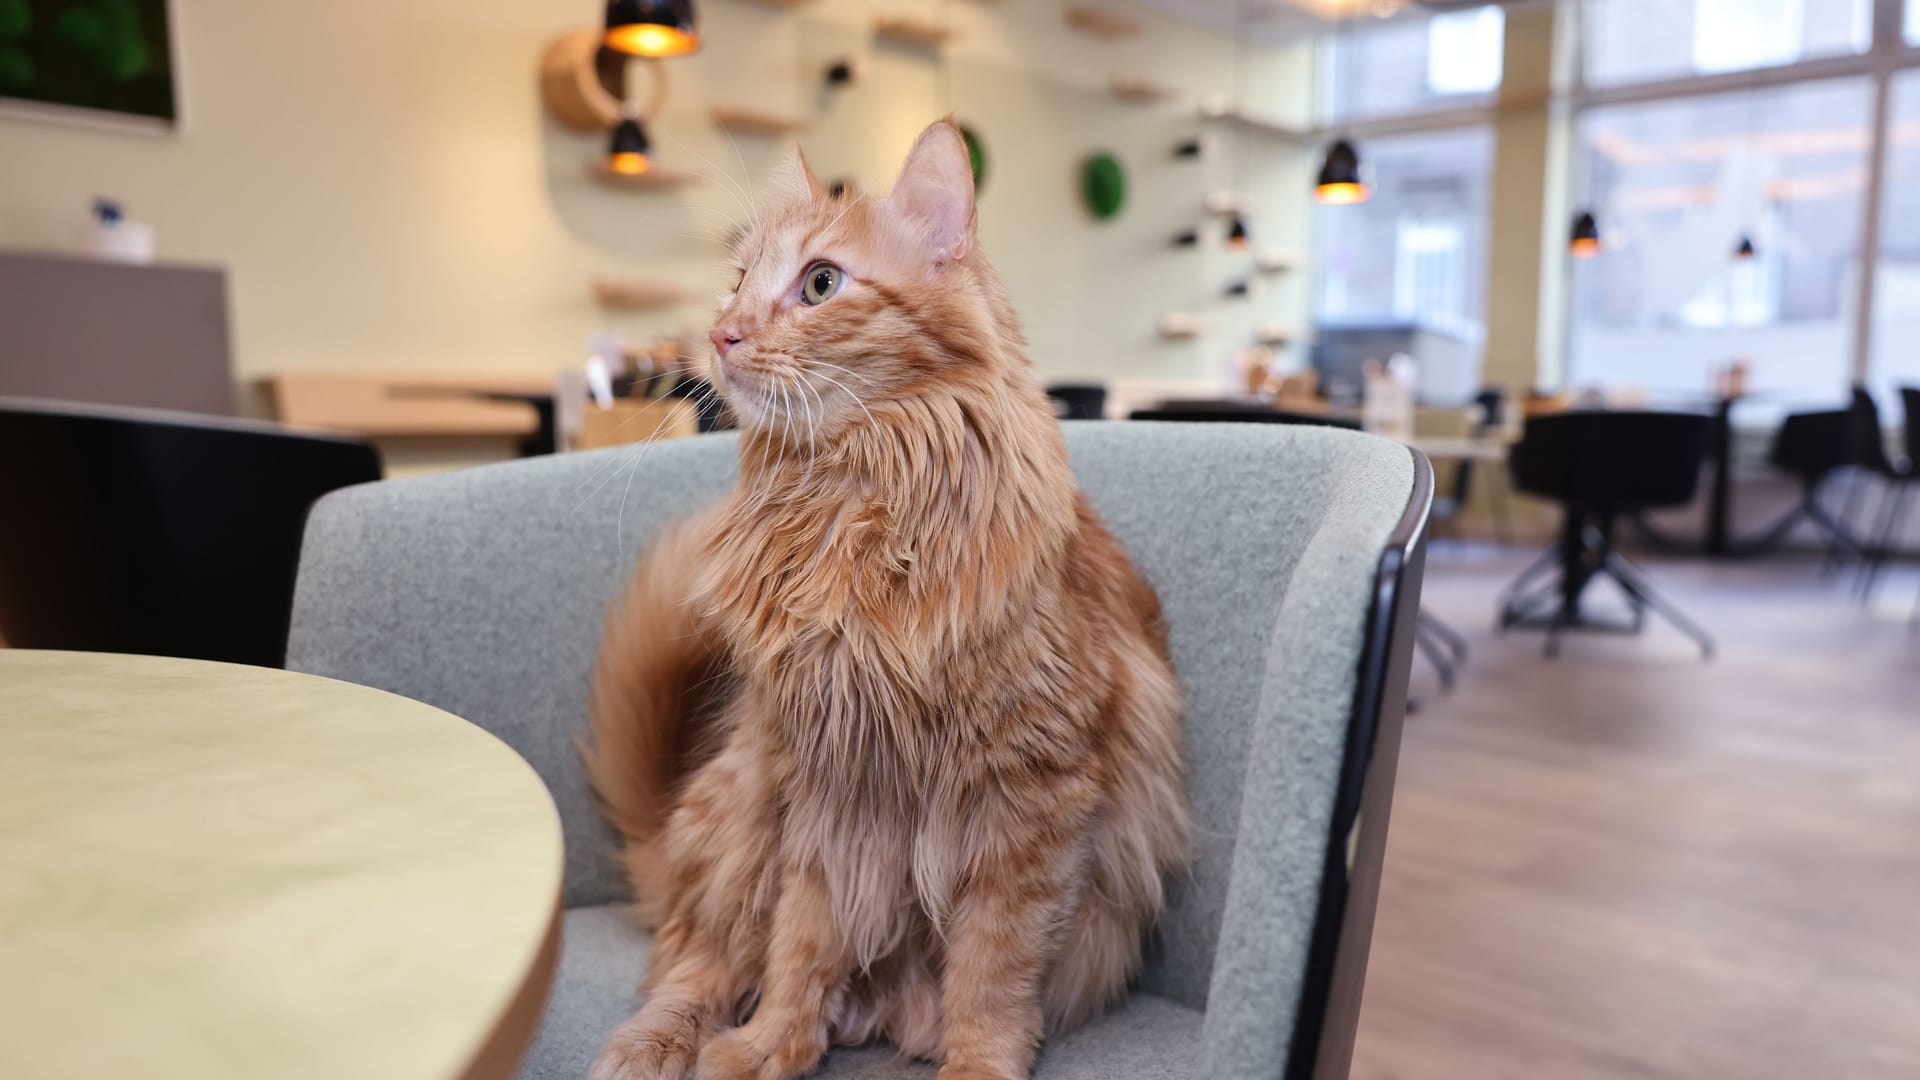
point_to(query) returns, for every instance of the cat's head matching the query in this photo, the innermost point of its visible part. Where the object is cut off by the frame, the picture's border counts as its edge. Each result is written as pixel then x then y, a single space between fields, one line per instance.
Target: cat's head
pixel 843 302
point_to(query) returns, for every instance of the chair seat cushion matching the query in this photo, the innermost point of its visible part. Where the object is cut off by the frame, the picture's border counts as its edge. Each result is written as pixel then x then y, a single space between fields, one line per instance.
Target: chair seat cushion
pixel 603 957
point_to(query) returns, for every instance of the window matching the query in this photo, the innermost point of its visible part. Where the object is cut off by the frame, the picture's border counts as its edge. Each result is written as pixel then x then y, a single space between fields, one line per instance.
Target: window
pixel 1637 40
pixel 1373 68
pixel 1416 251
pixel 1913 22
pixel 1895 359
pixel 1676 185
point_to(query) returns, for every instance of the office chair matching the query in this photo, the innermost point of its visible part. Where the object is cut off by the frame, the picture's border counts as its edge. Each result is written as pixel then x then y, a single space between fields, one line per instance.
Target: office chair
pixel 1816 447
pixel 172 534
pixel 1601 465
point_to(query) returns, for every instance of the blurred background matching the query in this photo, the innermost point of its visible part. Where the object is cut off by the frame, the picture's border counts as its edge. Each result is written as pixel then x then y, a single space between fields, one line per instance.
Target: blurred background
pixel 1641 277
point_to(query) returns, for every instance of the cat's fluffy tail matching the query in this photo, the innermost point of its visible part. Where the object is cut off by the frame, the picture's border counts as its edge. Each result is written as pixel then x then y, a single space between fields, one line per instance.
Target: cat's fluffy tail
pixel 651 655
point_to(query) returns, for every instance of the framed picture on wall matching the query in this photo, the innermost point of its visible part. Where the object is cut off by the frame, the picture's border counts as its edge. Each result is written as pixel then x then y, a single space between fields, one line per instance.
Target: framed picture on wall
pixel 107 62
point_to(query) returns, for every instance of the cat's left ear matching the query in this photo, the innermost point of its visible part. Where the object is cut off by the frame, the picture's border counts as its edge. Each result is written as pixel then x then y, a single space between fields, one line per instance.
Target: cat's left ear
pixel 794 181
pixel 935 189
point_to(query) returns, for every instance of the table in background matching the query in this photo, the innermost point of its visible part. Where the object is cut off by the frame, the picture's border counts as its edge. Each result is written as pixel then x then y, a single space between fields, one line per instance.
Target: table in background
pixel 218 872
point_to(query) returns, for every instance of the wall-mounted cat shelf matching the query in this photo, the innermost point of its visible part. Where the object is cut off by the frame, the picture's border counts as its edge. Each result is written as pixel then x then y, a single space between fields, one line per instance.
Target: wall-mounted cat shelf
pixel 1101 23
pixel 1220 110
pixel 906 30
pixel 1273 335
pixel 584 95
pixel 1227 202
pixel 654 179
pixel 621 295
pixel 1137 90
pixel 1179 326
pixel 755 122
pixel 1275 261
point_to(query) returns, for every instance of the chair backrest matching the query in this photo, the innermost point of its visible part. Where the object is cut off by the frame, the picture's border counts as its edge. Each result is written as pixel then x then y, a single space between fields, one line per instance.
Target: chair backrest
pixel 131 530
pixel 482 592
pixel 1812 444
pixel 1079 401
pixel 1239 412
pixel 1910 423
pixel 1608 461
pixel 1866 439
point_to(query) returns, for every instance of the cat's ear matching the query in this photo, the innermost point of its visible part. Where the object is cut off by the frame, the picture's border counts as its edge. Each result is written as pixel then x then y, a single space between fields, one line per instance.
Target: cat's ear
pixel 794 181
pixel 935 189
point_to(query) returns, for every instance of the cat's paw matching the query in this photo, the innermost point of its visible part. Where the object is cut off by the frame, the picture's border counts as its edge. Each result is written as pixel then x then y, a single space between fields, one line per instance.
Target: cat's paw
pixel 744 1054
pixel 643 1052
pixel 968 1072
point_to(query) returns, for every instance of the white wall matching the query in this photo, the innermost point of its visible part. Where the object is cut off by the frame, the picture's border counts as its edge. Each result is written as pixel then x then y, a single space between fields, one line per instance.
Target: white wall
pixel 386 192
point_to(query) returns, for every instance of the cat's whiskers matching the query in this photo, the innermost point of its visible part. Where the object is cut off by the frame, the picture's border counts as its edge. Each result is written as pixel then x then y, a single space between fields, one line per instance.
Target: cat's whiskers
pixel 849 393
pixel 731 187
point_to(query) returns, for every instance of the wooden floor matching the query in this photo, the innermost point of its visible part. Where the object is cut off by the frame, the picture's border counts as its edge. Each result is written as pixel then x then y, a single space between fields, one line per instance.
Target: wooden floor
pixel 1628 864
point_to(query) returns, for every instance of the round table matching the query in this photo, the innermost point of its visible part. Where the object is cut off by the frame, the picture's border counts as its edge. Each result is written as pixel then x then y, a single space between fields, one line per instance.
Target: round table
pixel 210 871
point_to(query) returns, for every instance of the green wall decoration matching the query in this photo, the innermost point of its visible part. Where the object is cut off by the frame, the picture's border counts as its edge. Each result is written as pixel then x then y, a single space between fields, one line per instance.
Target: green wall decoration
pixel 112 56
pixel 976 155
pixel 1103 185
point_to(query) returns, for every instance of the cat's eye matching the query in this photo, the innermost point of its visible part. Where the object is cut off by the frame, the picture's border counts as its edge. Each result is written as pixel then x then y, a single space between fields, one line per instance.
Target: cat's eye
pixel 820 282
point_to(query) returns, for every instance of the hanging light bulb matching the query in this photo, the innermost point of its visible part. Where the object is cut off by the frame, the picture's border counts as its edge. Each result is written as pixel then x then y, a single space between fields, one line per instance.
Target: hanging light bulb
pixel 1237 234
pixel 1745 249
pixel 1339 183
pixel 631 153
pixel 651 27
pixel 1585 241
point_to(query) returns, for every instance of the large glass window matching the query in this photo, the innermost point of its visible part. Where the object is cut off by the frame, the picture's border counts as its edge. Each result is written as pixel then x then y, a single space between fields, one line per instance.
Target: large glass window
pixel 1677 184
pixel 1636 40
pixel 1895 360
pixel 1410 63
pixel 1408 268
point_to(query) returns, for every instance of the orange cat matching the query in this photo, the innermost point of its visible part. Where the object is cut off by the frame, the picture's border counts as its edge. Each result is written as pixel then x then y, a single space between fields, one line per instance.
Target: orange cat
pixel 891 732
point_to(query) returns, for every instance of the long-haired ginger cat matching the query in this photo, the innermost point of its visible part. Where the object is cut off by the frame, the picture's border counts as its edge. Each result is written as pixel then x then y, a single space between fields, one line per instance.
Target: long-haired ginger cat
pixel 891 732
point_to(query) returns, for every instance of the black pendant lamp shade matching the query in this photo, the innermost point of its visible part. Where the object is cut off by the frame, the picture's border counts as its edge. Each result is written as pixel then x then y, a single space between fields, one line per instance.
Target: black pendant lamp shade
pixel 630 154
pixel 1339 183
pixel 1584 243
pixel 651 27
pixel 1237 234
pixel 1745 250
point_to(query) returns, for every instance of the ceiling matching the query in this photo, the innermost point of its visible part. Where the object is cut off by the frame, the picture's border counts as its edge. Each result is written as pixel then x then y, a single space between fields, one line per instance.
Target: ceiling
pixel 1281 20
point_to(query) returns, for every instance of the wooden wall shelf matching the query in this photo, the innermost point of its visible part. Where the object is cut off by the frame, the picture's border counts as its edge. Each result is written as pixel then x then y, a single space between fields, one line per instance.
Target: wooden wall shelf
pixel 1178 326
pixel 622 295
pixel 746 121
pixel 906 30
pixel 1101 23
pixel 654 179
pixel 1139 91
pixel 1224 112
pixel 783 4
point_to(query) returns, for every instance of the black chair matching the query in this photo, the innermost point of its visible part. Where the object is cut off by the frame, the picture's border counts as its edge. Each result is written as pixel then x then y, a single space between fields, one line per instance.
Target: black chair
pixel 1900 480
pixel 1817 447
pixel 1078 401
pixel 171 534
pixel 1443 646
pixel 1601 465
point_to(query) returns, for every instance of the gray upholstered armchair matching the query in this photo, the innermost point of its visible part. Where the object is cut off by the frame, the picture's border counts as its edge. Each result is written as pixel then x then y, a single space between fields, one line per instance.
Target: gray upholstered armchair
pixel 1288 561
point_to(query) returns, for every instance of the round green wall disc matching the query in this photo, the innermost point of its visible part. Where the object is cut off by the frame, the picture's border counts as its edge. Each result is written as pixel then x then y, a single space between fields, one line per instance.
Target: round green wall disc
pixel 1103 184
pixel 976 155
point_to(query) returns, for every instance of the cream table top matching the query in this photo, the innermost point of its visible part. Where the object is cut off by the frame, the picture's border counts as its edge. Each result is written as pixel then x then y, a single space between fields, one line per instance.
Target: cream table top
pixel 210 871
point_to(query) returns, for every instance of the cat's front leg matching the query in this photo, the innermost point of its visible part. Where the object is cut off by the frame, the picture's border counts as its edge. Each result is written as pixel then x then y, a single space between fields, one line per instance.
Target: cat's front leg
pixel 807 967
pixel 999 948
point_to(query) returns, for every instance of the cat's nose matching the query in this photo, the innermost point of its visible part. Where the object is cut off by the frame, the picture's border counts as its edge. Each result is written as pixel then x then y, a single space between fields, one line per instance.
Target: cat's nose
pixel 724 337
